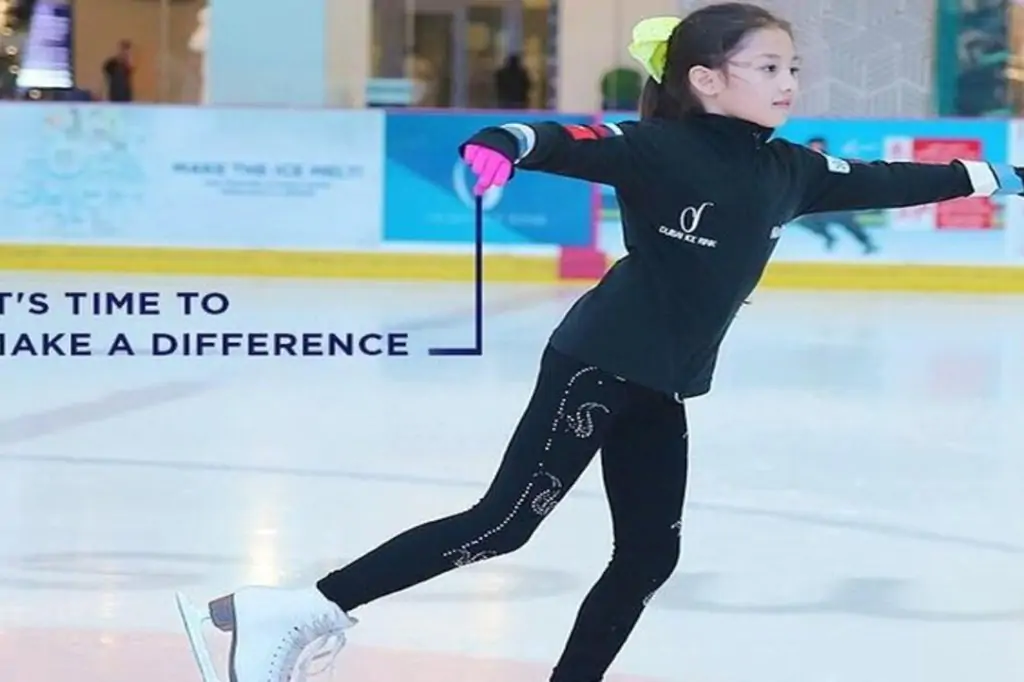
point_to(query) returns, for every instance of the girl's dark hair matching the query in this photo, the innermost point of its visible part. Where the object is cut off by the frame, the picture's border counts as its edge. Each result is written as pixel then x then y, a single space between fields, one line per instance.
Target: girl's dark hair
pixel 706 37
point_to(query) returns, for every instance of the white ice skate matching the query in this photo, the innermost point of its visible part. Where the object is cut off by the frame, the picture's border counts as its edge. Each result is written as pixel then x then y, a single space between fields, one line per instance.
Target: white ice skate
pixel 277 635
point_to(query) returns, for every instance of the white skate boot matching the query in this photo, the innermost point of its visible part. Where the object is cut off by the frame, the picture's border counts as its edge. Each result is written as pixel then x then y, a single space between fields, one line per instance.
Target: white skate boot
pixel 276 634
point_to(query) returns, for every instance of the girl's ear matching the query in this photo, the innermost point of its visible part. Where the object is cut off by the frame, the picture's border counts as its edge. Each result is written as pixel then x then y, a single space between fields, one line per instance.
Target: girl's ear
pixel 705 81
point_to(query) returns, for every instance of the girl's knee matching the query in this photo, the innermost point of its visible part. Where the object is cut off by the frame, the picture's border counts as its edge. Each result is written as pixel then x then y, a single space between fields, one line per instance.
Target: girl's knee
pixel 650 564
pixel 493 534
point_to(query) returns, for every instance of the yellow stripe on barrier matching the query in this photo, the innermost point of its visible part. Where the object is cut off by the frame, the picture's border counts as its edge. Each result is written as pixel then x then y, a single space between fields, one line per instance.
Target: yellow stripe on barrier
pixel 459 267
pixel 257 263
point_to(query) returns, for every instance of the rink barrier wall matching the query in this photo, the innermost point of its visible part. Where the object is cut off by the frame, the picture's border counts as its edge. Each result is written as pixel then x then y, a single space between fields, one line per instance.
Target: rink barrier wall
pixel 266 263
pixel 374 194
pixel 498 268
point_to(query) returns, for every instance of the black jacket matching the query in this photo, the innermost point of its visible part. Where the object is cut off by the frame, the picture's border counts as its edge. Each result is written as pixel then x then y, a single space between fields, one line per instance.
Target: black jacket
pixel 703 201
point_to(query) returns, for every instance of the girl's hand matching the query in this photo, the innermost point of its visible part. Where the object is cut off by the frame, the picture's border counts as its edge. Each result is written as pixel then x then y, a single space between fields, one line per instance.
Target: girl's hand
pixel 492 169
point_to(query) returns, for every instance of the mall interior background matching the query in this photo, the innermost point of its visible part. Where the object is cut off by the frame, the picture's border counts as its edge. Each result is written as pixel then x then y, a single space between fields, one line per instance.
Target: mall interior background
pixel 863 57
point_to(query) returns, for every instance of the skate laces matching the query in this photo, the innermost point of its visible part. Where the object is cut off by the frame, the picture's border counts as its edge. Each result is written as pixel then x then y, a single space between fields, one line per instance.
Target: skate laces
pixel 311 643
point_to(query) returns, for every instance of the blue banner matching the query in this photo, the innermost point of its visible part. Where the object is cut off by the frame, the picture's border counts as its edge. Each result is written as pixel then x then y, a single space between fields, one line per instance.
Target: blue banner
pixel 428 190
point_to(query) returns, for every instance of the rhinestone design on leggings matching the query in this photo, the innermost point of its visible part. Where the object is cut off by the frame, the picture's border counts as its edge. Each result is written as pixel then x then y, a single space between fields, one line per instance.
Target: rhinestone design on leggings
pixel 463 555
pixel 546 501
pixel 561 405
pixel 582 423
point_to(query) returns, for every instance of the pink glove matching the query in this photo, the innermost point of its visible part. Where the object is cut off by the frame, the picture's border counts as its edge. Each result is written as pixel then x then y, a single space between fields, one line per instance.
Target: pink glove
pixel 492 169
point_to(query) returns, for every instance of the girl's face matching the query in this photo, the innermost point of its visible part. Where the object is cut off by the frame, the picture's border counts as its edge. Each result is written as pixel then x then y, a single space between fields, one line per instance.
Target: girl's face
pixel 758 83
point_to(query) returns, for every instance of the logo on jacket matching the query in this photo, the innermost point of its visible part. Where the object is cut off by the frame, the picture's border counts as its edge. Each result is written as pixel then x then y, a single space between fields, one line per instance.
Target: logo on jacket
pixel 834 165
pixel 689 221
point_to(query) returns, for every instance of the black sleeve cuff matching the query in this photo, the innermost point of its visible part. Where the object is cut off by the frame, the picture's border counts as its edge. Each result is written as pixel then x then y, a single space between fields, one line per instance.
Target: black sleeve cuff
pixel 498 139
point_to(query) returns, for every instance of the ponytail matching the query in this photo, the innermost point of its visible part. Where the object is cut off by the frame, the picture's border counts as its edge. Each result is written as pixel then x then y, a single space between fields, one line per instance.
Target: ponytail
pixel 668 47
pixel 658 101
pixel 661 97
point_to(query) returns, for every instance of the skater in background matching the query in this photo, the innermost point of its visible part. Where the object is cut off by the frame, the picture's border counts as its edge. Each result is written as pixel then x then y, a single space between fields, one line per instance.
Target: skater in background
pixel 703 192
pixel 819 223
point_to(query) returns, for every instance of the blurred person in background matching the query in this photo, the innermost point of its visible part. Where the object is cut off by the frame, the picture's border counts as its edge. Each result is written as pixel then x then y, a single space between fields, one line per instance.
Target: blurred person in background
pixel 118 72
pixel 512 83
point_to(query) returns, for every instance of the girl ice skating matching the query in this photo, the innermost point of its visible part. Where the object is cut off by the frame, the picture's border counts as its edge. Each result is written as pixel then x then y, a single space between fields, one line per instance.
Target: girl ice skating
pixel 704 189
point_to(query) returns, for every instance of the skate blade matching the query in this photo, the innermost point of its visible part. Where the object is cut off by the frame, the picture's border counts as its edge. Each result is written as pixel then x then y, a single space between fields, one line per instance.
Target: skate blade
pixel 193 618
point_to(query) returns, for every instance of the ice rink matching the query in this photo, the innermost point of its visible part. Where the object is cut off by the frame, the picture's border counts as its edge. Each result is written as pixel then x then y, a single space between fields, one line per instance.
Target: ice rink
pixel 856 509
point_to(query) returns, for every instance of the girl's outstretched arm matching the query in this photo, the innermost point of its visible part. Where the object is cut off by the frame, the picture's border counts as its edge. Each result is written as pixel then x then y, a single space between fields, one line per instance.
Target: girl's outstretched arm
pixel 828 183
pixel 604 153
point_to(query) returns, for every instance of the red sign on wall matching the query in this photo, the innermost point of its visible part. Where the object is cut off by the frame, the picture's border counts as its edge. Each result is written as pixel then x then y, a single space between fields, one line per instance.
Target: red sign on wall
pixel 973 213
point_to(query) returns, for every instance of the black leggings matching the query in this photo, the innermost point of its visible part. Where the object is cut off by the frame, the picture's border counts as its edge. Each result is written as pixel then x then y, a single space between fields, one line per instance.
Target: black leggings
pixel 574 411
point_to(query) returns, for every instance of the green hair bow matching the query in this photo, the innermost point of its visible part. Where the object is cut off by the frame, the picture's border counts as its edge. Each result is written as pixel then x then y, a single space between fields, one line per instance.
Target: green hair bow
pixel 650 44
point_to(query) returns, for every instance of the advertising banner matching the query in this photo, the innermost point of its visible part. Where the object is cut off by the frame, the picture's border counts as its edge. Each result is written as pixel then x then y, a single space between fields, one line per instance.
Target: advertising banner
pixel 47 56
pixel 203 177
pixel 428 195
